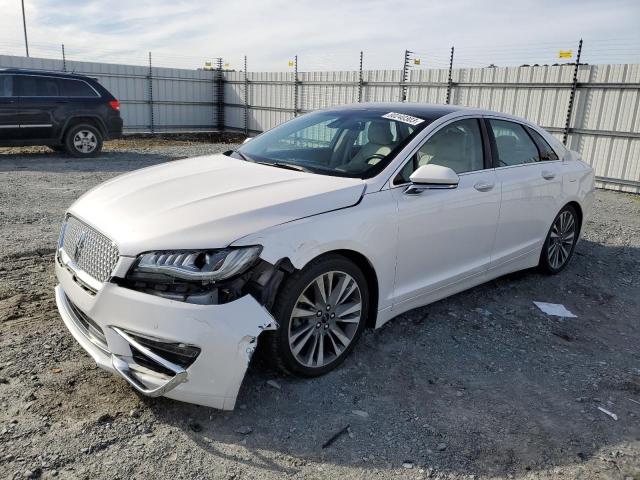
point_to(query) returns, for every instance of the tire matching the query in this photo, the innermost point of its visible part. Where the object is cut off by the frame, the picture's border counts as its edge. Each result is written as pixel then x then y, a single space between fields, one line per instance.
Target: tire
pixel 83 141
pixel 328 332
pixel 560 242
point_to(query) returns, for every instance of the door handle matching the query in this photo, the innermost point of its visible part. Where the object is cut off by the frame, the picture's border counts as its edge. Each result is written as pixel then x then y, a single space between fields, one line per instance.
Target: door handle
pixel 484 186
pixel 548 175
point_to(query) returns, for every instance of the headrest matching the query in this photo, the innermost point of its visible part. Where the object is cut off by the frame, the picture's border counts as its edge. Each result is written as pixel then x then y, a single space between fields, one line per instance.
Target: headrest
pixel 506 141
pixel 380 133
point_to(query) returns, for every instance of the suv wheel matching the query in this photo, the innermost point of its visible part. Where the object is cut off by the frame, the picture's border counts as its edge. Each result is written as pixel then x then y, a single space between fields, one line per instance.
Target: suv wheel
pixel 321 311
pixel 83 141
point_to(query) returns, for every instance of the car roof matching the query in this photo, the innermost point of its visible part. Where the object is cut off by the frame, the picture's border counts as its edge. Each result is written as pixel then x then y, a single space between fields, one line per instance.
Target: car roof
pixel 49 73
pixel 427 111
pixel 420 110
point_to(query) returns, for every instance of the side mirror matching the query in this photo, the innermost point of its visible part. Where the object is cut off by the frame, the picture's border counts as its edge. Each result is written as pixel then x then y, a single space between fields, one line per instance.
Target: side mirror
pixel 432 176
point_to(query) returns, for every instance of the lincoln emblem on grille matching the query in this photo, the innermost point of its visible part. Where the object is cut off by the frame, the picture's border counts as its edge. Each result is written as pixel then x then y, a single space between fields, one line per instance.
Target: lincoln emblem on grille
pixel 79 245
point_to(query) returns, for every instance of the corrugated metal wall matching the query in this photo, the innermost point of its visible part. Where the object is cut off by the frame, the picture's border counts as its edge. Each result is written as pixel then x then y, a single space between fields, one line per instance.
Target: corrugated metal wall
pixel 181 100
pixel 604 126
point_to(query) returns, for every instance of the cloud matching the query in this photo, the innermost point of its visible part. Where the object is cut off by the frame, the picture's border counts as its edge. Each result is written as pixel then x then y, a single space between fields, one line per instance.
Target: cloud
pixel 326 34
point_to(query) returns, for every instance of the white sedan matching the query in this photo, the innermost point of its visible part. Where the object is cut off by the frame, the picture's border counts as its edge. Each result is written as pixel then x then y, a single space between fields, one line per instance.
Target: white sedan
pixel 333 222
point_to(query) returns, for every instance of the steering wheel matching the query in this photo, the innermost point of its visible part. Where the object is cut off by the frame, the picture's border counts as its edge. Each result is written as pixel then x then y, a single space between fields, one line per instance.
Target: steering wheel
pixel 375 156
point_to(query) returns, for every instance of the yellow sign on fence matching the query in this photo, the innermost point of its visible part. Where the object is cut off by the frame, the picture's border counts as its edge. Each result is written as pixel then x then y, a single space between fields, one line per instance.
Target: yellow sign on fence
pixel 416 61
pixel 291 63
pixel 565 54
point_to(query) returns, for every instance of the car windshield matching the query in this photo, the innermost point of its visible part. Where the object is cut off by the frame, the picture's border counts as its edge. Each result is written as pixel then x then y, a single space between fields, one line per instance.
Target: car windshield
pixel 348 143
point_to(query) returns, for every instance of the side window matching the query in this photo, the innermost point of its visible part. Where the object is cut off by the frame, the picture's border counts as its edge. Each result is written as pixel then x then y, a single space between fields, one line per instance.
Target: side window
pixel 546 152
pixel 6 82
pixel 75 88
pixel 457 146
pixel 33 86
pixel 514 144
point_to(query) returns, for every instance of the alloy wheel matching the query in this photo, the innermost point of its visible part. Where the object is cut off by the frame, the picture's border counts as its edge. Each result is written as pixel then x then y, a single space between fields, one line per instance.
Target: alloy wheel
pixel 85 141
pixel 325 319
pixel 561 239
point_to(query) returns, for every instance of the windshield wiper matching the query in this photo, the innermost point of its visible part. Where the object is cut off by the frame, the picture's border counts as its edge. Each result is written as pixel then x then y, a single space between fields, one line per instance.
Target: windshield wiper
pixel 243 156
pixel 288 166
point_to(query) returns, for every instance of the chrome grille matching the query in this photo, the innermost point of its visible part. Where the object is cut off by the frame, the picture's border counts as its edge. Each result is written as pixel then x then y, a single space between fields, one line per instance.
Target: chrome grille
pixel 92 252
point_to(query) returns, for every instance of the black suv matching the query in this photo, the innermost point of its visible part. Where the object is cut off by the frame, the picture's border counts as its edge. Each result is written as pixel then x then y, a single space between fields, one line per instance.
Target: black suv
pixel 65 111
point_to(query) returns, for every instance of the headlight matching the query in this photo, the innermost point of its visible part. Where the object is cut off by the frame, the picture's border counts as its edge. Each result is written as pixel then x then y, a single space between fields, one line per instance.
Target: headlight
pixel 199 266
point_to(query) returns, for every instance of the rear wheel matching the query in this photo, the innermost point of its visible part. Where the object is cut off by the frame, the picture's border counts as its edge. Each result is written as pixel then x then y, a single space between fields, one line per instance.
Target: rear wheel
pixel 561 241
pixel 321 312
pixel 83 141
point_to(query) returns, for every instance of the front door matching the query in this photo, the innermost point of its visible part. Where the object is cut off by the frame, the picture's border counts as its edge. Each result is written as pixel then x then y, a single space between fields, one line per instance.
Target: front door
pixel 446 235
pixel 9 110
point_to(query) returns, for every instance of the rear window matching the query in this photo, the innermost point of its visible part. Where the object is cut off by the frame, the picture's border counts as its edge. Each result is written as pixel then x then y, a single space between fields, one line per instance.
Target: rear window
pixel 75 88
pixel 5 85
pixel 546 152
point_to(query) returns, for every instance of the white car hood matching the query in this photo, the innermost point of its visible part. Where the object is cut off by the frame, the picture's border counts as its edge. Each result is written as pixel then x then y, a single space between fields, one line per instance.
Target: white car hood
pixel 206 202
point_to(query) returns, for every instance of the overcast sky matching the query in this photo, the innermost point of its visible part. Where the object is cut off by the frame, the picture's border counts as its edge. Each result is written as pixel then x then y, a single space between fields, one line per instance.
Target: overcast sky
pixel 325 34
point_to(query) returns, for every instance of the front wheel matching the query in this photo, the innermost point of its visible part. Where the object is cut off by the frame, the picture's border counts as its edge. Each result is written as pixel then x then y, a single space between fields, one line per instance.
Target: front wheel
pixel 561 241
pixel 321 312
pixel 83 141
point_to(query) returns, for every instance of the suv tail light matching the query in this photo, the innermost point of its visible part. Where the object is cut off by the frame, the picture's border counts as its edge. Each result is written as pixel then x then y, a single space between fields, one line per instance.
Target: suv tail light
pixel 115 104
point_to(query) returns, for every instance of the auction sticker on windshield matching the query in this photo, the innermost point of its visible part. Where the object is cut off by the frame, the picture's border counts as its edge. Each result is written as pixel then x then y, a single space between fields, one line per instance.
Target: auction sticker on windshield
pixel 401 117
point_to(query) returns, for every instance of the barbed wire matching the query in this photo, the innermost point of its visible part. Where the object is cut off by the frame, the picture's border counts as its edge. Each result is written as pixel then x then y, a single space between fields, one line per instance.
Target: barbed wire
pixel 610 50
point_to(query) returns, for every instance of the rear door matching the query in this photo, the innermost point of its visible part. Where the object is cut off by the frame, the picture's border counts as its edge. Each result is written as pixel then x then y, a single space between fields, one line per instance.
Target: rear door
pixel 39 98
pixel 9 109
pixel 531 183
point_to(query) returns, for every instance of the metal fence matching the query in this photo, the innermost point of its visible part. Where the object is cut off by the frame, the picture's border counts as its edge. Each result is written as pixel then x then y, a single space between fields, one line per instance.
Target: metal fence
pixel 596 107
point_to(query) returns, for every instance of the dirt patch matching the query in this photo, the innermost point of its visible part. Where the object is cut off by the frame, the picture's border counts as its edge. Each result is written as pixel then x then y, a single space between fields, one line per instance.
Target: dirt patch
pixel 480 385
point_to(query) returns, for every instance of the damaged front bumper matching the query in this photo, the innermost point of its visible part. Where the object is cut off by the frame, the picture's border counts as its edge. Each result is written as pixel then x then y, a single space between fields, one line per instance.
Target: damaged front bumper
pixel 193 353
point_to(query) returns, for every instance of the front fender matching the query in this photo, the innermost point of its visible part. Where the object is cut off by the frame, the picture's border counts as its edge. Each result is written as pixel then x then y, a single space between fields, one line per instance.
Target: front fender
pixel 369 228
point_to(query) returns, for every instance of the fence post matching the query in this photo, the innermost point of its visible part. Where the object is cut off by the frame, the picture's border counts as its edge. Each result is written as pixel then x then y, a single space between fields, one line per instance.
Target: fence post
pixel 405 76
pixel 360 79
pixel 150 79
pixel 220 95
pixel 64 60
pixel 574 86
pixel 450 81
pixel 246 98
pixel 295 86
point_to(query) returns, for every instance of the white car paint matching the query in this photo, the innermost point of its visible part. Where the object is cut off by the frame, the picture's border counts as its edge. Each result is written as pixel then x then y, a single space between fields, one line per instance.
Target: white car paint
pixel 420 248
pixel 163 206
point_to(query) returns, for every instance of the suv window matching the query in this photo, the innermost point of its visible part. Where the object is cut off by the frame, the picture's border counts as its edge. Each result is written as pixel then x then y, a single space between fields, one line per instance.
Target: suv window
pixel 513 143
pixel 457 146
pixel 546 152
pixel 5 85
pixel 75 88
pixel 34 86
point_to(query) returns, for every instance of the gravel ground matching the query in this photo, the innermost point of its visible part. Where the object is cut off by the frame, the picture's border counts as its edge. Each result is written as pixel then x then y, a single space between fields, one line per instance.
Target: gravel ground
pixel 480 385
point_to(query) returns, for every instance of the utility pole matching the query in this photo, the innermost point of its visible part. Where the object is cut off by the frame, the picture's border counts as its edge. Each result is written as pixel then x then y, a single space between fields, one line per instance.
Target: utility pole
pixel 24 24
